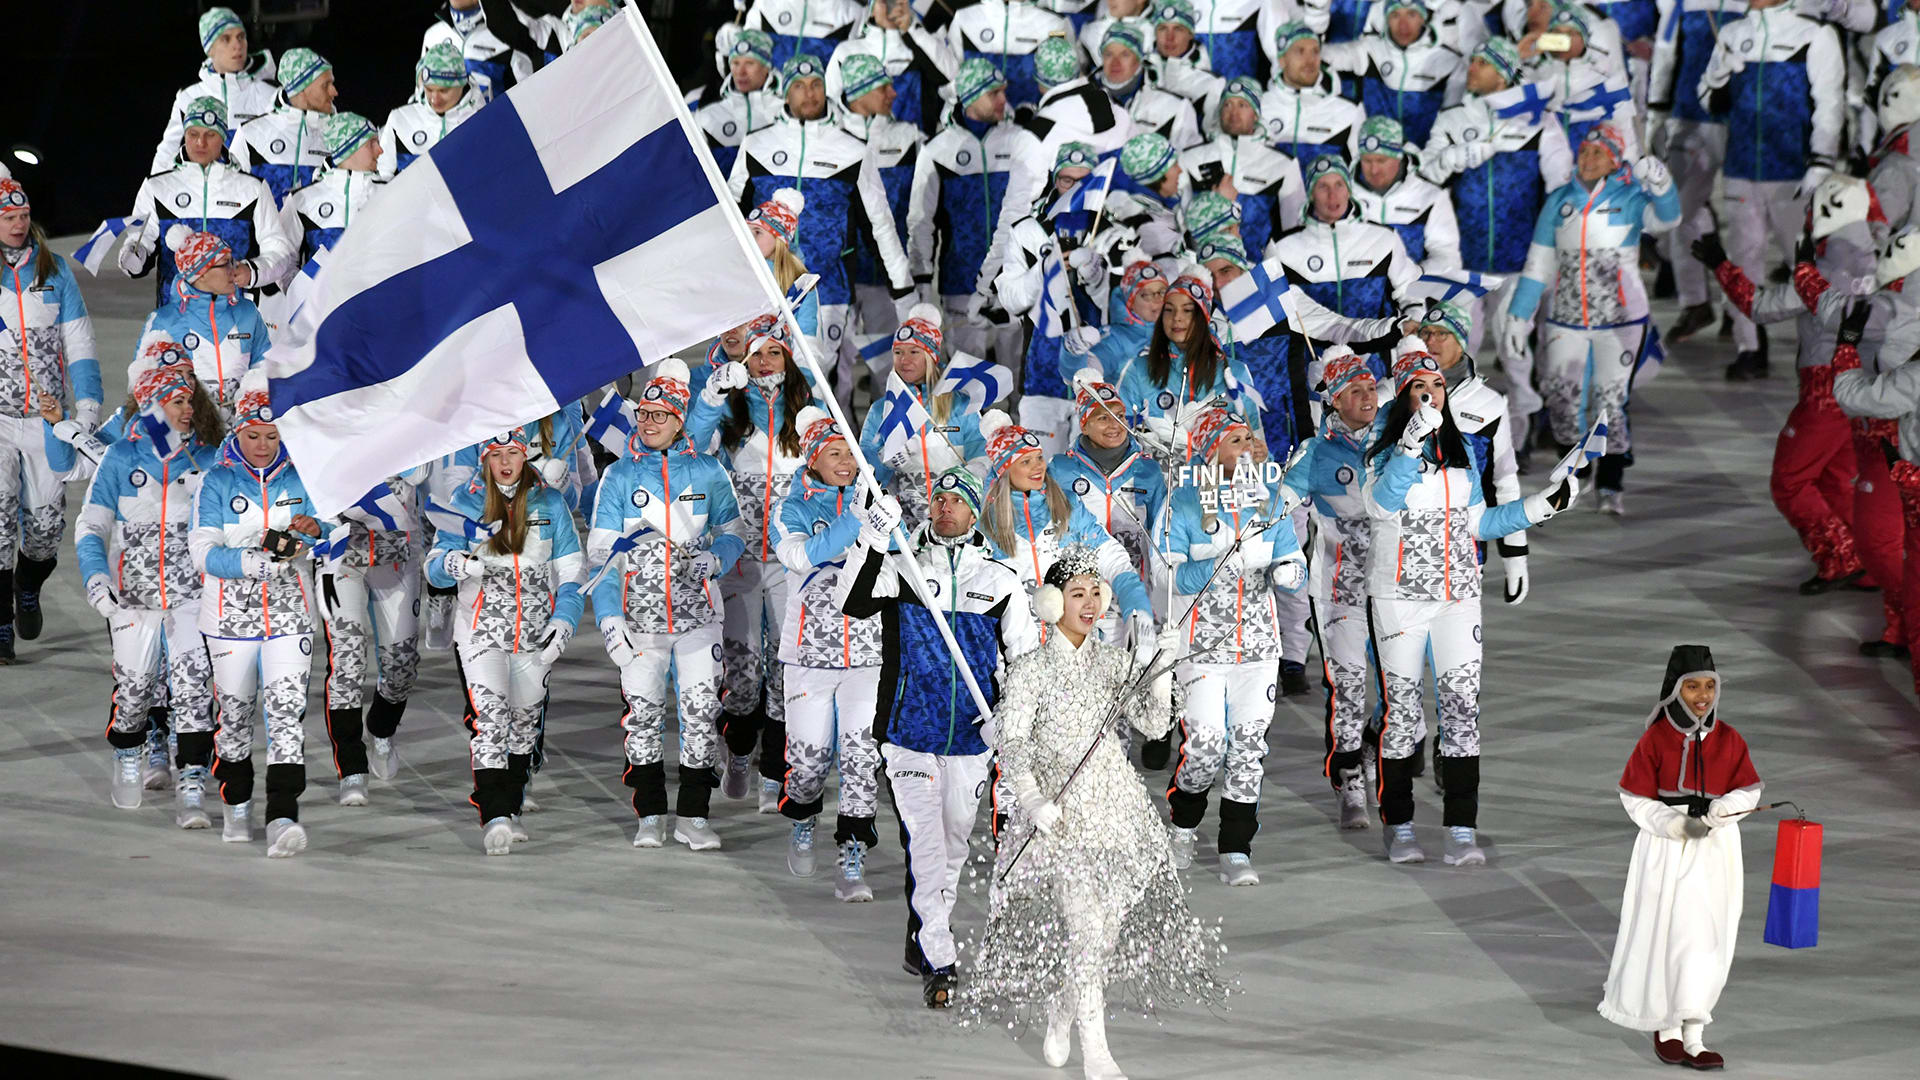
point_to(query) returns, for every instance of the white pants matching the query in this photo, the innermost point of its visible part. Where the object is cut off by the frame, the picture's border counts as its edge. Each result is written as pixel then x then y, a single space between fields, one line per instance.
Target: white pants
pixel 507 691
pixel 1294 608
pixel 1695 152
pixel 936 798
pixel 1756 211
pixel 250 672
pixel 33 502
pixel 1585 376
pixel 828 707
pixel 377 611
pixel 1344 661
pixel 1522 400
pixel 1409 634
pixel 154 651
pixel 1224 729
pixel 691 660
pixel 754 596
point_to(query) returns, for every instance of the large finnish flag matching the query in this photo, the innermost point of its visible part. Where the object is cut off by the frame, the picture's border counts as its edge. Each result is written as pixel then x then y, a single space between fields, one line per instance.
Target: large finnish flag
pixel 570 232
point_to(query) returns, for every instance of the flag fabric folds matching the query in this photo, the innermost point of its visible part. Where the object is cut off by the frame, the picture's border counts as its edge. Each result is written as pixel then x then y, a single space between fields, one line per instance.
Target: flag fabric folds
pixel 569 233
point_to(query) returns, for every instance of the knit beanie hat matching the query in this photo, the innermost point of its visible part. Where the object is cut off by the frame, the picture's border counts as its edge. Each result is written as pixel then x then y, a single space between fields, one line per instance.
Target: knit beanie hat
pixel 1450 316
pixel 1243 89
pixel 668 387
pixel 252 407
pixel 1094 396
pixel 769 330
pixel 12 195
pixel 206 112
pixel 1209 212
pixel 860 75
pixel 977 78
pixel 299 67
pixel 511 437
pixel 962 483
pixel 1178 12
pixel 1504 55
pixel 1197 282
pixel 1212 426
pixel 441 66
pixel 163 370
pixel 1383 135
pixel 1289 32
pixel 1224 246
pixel 1006 441
pixel 1056 61
pixel 780 215
pixel 1608 136
pixel 346 132
pixel 1342 368
pixel 1146 157
pixel 799 66
pixel 214 22
pixel 194 252
pixel 921 327
pixel 754 45
pixel 1122 32
pixel 817 429
pixel 1411 358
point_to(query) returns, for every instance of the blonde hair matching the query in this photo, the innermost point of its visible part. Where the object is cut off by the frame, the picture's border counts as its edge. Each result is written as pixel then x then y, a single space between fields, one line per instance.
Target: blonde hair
pixel 787 266
pixel 939 408
pixel 999 510
pixel 512 538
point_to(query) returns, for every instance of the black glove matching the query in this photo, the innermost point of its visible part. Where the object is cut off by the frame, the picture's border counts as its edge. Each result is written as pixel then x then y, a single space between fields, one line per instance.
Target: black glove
pixel 1720 100
pixel 329 596
pixel 1854 324
pixel 1697 805
pixel 1708 250
pixel 1208 176
pixel 283 545
pixel 1803 250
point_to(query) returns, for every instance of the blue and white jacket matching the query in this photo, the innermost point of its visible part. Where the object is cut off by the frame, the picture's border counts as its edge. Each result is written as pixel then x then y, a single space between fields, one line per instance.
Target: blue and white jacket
pixel 493 67
pixel 814 27
pixel 918 61
pixel 1688 30
pixel 728 116
pixel 1351 267
pixel 1427 520
pixel 1586 249
pixel 236 506
pixel 817 526
pixel 960 194
pixel 923 704
pixel 323 209
pixel 1411 85
pixel 133 525
pixel 1496 205
pixel 508 603
pixel 1126 502
pixel 285 147
pixel 935 448
pixel 760 468
pixel 414 128
pixel 672 504
pixel 1239 610
pixel 246 94
pixel 1007 32
pixel 1270 191
pixel 1306 122
pixel 46 338
pixel 1038 540
pixel 220 199
pixel 1785 102
pixel 224 334
pixel 1331 475
pixel 1145 398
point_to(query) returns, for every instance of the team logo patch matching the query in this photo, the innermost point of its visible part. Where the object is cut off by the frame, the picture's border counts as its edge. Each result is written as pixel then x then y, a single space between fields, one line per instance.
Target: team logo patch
pixel 182 199
pixel 716 653
pixel 1080 486
pixel 138 478
pixel 1315 262
pixel 306 646
pixel 933 587
pixel 640 497
pixel 1386 68
pixel 416 607
pixel 326 209
pixel 1566 210
pixel 1271 692
pixel 833 333
pixel 1343 475
pixel 729 128
pixel 1165 400
pixel 819 527
pixel 1476 632
pixel 986 35
pixel 239 504
pixel 1626 359
pixel 419 138
pixel 963 157
pixel 779 157
pixel 266 414
pixel 1747 45
pixel 786 17
pixel 191 340
pixel 279 146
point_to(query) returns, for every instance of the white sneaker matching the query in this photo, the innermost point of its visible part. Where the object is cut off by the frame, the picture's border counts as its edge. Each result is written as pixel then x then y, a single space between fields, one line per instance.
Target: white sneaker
pixel 652 831
pixel 519 830
pixel 1353 803
pixel 696 833
pixel 852 887
pixel 1236 868
pixel 1182 841
pixel 1463 848
pixel 1613 502
pixel 498 837
pixel 159 768
pixel 527 803
pixel 285 838
pixel 769 796
pixel 236 823
pixel 1402 846
pixel 353 790
pixel 384 759
pixel 190 798
pixel 800 849
pixel 129 777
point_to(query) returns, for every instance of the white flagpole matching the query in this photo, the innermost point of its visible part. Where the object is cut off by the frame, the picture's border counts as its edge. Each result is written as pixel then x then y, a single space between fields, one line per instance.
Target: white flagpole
pixel 907 566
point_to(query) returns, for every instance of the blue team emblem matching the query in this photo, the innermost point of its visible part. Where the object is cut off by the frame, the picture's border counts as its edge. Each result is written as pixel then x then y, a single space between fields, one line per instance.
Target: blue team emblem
pixel 239 504
pixel 1271 695
pixel 933 587
pixel 182 199
pixel 416 607
pixel 979 791
pixel 306 646
pixel 716 652
pixel 419 138
pixel 779 157
pixel 279 146
pixel 833 332
pixel 191 340
pixel 1314 263
pixel 1080 485
pixel 819 527
pixel 1165 400
pixel 1476 631
pixel 1343 475
pixel 326 209
pixel 266 414
pixel 641 498
pixel 963 157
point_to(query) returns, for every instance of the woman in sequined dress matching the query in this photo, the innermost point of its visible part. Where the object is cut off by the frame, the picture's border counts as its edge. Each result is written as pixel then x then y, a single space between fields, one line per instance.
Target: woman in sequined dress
pixel 1093 904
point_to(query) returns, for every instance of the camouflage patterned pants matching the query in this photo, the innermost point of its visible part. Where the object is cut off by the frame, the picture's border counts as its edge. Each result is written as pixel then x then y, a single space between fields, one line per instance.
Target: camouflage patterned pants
pixel 154 652
pixel 33 503
pixel 249 675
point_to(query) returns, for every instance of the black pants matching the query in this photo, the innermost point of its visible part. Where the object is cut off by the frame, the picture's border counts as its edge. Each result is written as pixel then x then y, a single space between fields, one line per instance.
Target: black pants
pixel 1459 779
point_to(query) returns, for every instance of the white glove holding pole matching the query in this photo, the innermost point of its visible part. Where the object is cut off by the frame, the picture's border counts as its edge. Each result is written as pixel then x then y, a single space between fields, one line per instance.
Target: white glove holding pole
pixel 1080 340
pixel 1287 575
pixel 100 594
pixel 553 471
pixel 1424 422
pixel 877 521
pixel 1045 817
pixel 558 634
pixel 256 564
pixel 459 565
pixel 1515 567
pixel 705 566
pixel 731 376
pixel 1140 625
pixel 1168 646
pixel 613 631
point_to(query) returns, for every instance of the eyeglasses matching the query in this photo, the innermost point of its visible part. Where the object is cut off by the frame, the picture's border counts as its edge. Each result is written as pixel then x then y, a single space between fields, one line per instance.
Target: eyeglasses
pixel 655 416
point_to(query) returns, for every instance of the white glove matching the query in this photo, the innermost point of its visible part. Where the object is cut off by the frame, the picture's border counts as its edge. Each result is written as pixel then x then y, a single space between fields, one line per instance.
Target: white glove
pixel 877 521
pixel 459 565
pixel 1653 176
pixel 558 634
pixel 705 566
pixel 1518 338
pixel 553 471
pixel 133 258
pixel 1287 575
pixel 1476 153
pixel 1542 505
pixel 1811 180
pixel 85 443
pixel 87 413
pixel 1424 422
pixel 1045 817
pixel 1086 265
pixel 1081 340
pixel 1168 646
pixel 100 595
pixel 731 376
pixel 1140 625
pixel 1515 567
pixel 255 563
pixel 613 631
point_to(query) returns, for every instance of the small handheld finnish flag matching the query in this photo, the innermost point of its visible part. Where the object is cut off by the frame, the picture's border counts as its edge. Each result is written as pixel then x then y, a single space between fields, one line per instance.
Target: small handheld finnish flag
pixel 1084 199
pixel 980 382
pixel 901 418
pixel 612 422
pixel 93 253
pixel 1257 301
pixel 448 520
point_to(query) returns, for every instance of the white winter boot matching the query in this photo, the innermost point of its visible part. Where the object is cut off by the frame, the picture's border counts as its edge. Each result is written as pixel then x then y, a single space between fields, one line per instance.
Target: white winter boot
pixel 1094 1057
pixel 1059 1031
pixel 129 777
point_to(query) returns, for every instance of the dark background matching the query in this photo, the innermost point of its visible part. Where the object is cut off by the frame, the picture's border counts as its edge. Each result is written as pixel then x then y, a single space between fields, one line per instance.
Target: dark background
pixel 90 81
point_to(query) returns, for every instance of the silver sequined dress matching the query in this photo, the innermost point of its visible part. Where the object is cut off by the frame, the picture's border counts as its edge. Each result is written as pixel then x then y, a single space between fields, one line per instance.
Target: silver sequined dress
pixel 1097 902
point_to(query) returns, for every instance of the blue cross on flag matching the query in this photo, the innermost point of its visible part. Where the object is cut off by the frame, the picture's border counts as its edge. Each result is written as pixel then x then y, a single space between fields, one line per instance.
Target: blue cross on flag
pixel 1085 199
pixel 1533 103
pixel 93 253
pixel 570 233
pixel 980 382
pixel 901 418
pixel 611 424
pixel 1257 301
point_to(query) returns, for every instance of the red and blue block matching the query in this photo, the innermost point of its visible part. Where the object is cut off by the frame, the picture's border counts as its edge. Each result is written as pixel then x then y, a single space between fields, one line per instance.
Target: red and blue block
pixel 1793 906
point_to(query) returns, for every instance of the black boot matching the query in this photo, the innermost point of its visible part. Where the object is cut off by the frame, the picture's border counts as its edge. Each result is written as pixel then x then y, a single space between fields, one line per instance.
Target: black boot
pixel 1155 752
pixel 1293 678
pixel 6 617
pixel 28 577
pixel 1691 321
